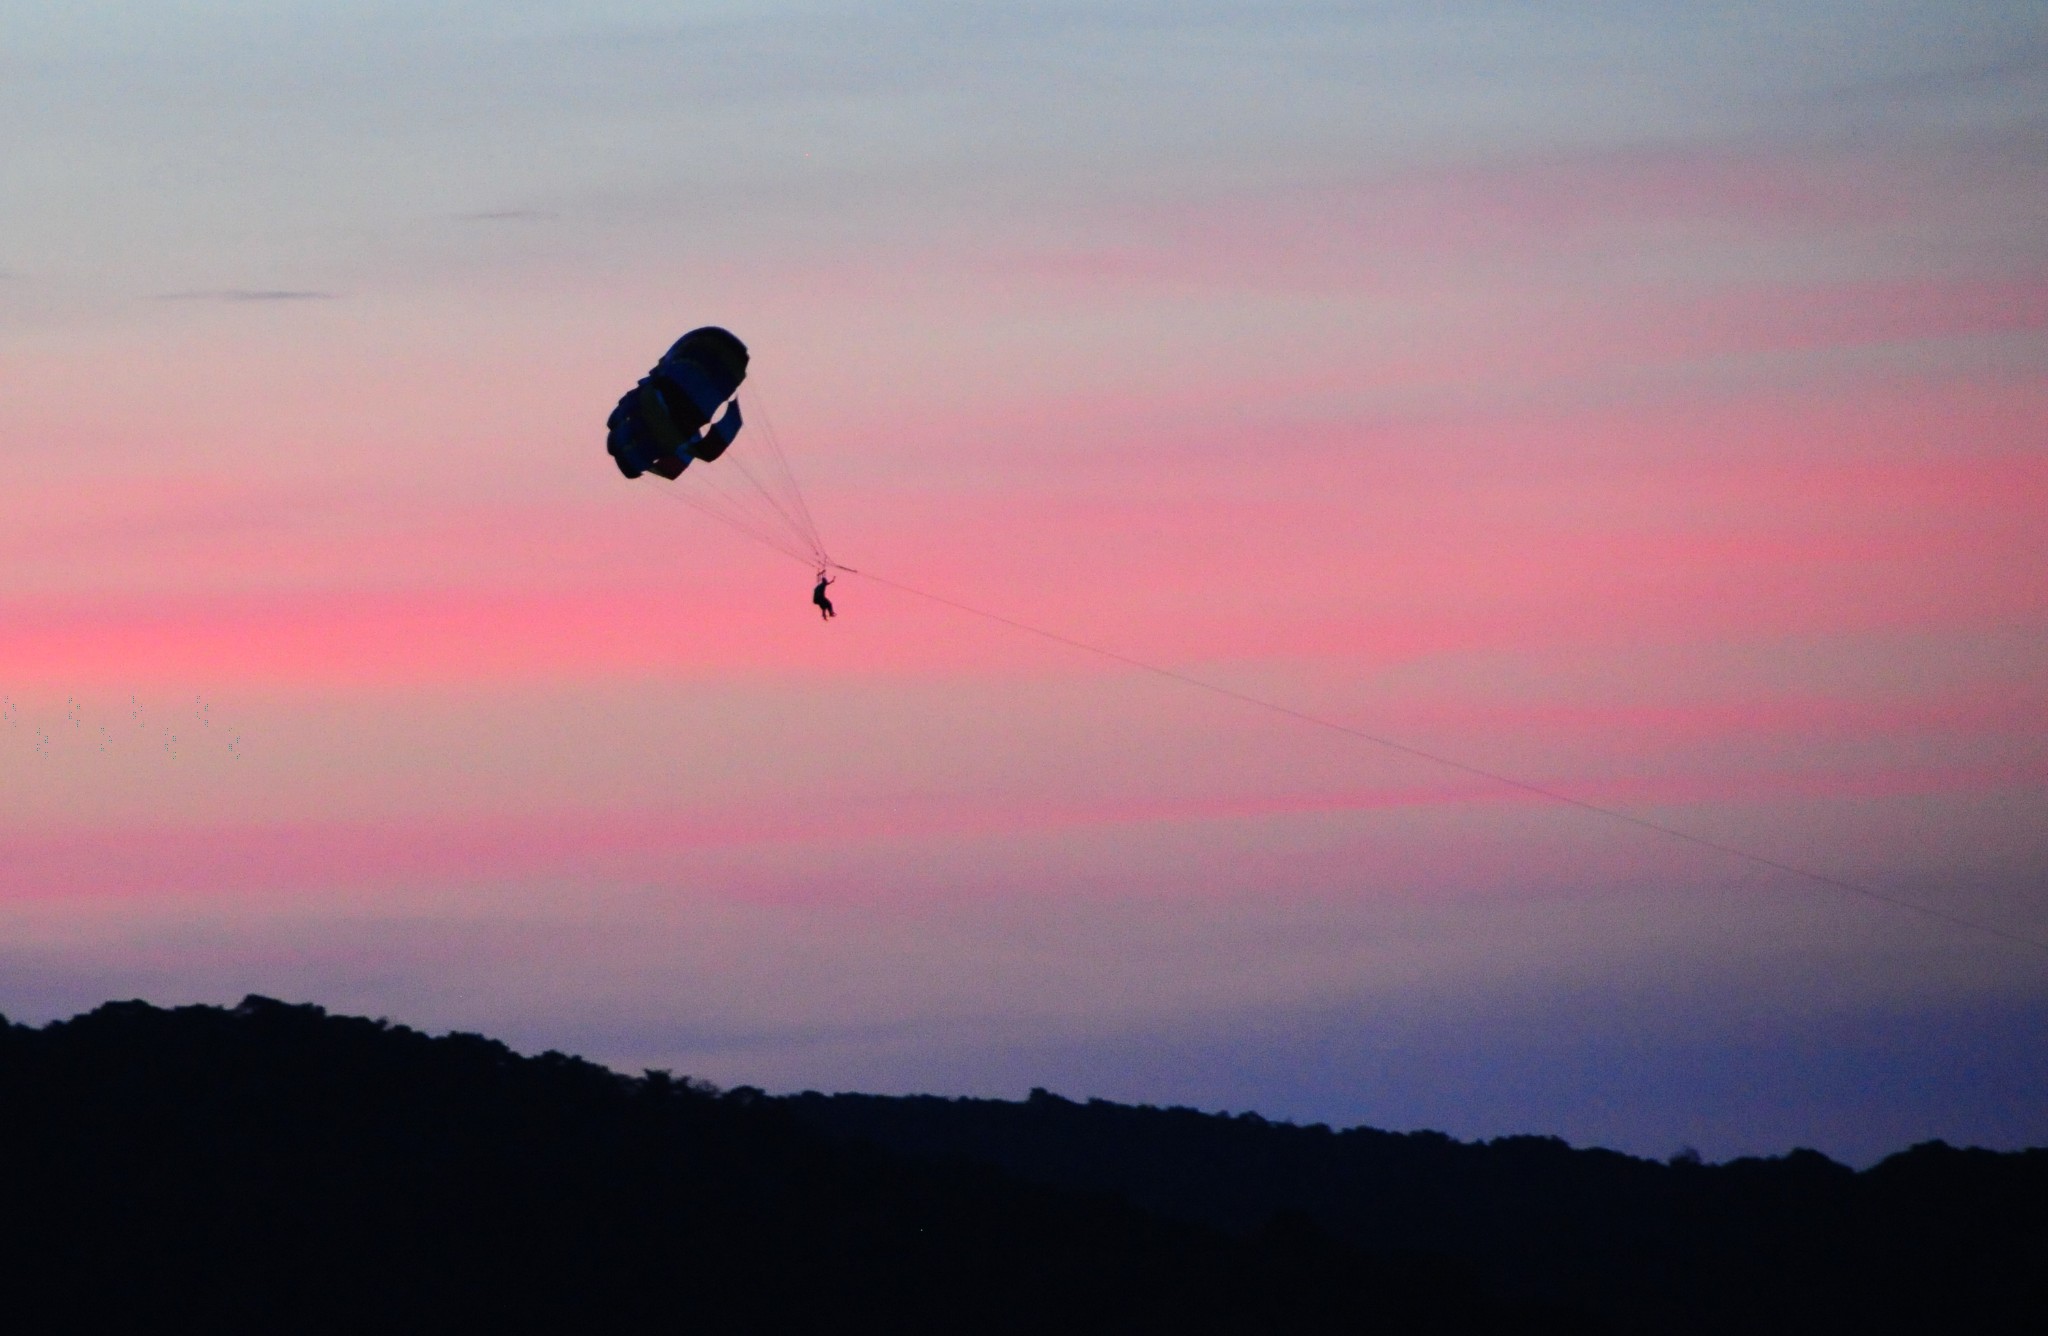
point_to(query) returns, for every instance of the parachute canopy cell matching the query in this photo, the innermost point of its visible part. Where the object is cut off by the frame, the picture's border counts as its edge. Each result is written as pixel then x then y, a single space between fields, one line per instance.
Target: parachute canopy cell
pixel 665 421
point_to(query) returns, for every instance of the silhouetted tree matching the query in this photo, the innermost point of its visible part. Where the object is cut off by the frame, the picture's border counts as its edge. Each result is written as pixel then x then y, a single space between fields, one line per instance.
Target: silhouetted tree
pixel 273 1168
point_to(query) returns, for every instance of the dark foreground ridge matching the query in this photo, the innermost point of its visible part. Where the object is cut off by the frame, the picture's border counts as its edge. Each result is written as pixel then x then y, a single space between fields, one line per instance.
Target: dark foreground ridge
pixel 1934 1239
pixel 273 1168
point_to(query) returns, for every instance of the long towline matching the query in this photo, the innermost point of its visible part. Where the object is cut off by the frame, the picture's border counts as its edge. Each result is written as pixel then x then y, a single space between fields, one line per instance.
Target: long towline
pixel 1303 716
pixel 1612 813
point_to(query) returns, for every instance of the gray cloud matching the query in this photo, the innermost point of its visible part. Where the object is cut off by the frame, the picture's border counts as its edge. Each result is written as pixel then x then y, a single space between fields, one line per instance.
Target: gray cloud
pixel 506 216
pixel 246 295
pixel 1988 76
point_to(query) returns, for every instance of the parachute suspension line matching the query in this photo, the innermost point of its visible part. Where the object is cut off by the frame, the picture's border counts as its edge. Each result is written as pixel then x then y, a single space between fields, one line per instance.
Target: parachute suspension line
pixel 736 519
pixel 731 487
pixel 745 483
pixel 775 480
pixel 754 492
pixel 1495 776
pixel 781 506
pixel 780 462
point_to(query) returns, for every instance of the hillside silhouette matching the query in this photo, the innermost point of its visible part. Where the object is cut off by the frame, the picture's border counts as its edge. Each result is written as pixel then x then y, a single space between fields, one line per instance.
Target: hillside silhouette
pixel 273 1168
pixel 1934 1239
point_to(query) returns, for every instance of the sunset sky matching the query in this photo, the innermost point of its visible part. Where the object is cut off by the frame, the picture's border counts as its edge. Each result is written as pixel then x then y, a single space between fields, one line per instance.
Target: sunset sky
pixel 1648 401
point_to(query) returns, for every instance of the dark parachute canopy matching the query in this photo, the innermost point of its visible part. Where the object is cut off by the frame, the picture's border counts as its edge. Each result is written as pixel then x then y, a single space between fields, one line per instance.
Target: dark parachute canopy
pixel 659 426
pixel 671 418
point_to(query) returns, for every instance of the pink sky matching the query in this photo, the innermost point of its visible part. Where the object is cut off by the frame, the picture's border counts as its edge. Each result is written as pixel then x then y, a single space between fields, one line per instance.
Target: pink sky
pixel 1676 450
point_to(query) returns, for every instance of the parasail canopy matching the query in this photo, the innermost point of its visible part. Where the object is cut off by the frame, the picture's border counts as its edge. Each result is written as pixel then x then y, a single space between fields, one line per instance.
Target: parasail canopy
pixel 658 426
pixel 673 418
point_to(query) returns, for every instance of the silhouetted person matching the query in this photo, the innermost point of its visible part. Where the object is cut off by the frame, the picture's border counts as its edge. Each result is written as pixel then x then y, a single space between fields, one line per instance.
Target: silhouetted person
pixel 818 596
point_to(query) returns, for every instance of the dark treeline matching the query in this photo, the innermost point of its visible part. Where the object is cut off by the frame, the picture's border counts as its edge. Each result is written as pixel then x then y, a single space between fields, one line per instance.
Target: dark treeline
pixel 272 1169
pixel 1935 1239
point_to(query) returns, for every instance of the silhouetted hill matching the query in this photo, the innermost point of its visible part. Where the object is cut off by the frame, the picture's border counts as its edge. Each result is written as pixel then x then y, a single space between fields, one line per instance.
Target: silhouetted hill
pixel 272 1168
pixel 1935 1239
